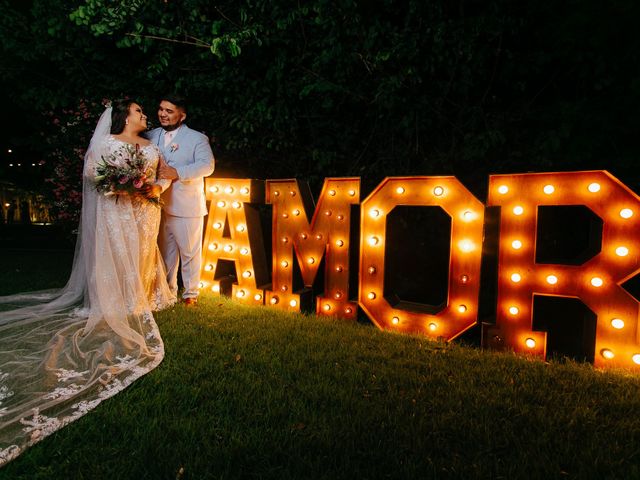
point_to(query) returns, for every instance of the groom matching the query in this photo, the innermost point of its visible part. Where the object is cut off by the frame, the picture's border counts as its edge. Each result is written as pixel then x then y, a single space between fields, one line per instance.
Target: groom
pixel 188 159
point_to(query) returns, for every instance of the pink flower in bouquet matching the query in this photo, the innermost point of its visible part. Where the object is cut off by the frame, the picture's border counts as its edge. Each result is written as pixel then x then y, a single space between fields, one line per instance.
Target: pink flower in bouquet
pixel 123 179
pixel 138 183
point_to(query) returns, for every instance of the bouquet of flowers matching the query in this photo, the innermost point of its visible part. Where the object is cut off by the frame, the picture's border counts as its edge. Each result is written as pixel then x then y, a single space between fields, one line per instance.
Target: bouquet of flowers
pixel 124 171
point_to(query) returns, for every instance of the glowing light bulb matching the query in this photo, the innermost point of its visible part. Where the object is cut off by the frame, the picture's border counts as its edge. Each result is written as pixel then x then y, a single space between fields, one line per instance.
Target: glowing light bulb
pixel 338 295
pixel 516 277
pixel 236 204
pixel 594 187
pixel 332 193
pixel 502 189
pixel 530 342
pixel 374 213
pixel 274 300
pixel 241 293
pixel 352 193
pixel 221 204
pixel 217 225
pixel 373 241
pixel 622 251
pixel 549 189
pixel 617 323
pixel 245 191
pixel 552 279
pixel 215 288
pixel 296 212
pixel 326 307
pixel 284 264
pixel 636 358
pixel 462 308
pixel 214 189
pixel 626 213
pixel 400 190
pixel 340 217
pixel 371 270
pixel 209 267
pixel 213 246
pixel 303 236
pixel 228 248
pixel 433 327
pixel 246 274
pixel 438 191
pixel 328 213
pixel 371 295
pixel 311 260
pixel 285 215
pixel 516 244
pixel 596 282
pixel 395 320
pixel 464 278
pixel 468 216
pixel 339 243
pixel 514 310
pixel 466 245
pixel 241 228
pixel 518 210
pixel 201 285
pixel 339 268
pixel 319 236
pixel 293 303
pixel 284 239
pixel 348 310
pixel 292 193
pixel 228 190
pixel 244 251
pixel 606 353
pixel 257 297
pixel 276 193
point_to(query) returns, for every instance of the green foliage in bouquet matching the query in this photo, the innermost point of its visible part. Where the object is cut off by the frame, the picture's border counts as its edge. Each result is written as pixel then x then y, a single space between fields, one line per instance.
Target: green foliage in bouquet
pixel 124 172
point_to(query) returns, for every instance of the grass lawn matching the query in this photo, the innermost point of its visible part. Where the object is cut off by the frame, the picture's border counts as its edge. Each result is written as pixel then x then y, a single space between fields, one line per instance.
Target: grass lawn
pixel 249 392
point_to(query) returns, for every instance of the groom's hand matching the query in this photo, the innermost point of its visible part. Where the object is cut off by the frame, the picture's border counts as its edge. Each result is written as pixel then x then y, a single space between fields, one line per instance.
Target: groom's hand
pixel 166 172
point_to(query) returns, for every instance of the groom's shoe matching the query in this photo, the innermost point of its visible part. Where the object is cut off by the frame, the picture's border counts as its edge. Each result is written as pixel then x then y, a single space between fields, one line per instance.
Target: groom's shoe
pixel 191 302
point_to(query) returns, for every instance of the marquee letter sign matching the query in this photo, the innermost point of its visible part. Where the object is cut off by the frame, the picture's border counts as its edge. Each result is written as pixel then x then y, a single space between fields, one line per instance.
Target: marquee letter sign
pixel 328 231
pixel 596 282
pixel 467 217
pixel 233 234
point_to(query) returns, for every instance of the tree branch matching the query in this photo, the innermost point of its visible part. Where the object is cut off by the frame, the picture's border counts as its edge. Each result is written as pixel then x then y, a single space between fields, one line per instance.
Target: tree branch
pixel 198 43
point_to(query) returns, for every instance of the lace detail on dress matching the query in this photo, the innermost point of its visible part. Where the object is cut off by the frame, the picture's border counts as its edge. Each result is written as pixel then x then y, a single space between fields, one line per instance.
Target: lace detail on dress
pixel 54 368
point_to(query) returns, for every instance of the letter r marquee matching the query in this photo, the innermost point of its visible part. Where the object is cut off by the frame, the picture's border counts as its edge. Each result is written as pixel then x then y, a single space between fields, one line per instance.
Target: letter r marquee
pixel 596 282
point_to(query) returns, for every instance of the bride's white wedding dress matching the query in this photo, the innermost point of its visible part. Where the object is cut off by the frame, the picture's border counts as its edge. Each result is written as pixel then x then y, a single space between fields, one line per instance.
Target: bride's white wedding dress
pixel 63 352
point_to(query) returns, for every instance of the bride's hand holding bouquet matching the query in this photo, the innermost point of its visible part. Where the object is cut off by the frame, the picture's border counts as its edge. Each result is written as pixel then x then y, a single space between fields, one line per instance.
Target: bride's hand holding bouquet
pixel 127 172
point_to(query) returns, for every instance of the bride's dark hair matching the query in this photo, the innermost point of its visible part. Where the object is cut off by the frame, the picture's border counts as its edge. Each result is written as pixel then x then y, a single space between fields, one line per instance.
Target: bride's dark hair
pixel 119 114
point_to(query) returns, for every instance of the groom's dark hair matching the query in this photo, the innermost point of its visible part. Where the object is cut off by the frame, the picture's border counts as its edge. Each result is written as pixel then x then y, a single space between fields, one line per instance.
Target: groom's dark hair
pixel 178 100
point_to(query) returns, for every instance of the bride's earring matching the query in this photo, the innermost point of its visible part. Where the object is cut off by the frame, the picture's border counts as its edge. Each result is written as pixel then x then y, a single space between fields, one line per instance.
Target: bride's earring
pixel 126 122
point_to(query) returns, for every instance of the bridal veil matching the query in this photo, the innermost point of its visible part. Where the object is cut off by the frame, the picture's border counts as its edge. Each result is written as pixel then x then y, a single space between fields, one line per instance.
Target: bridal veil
pixel 64 351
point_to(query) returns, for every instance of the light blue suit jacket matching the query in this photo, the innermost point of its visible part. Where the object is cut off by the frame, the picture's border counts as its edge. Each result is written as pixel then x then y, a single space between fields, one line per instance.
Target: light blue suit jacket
pixel 190 154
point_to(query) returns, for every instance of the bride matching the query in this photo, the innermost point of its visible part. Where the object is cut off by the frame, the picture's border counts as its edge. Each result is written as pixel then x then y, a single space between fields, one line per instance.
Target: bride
pixel 63 352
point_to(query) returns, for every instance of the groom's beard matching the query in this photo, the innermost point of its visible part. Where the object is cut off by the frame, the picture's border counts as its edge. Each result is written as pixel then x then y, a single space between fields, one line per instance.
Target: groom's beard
pixel 171 128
